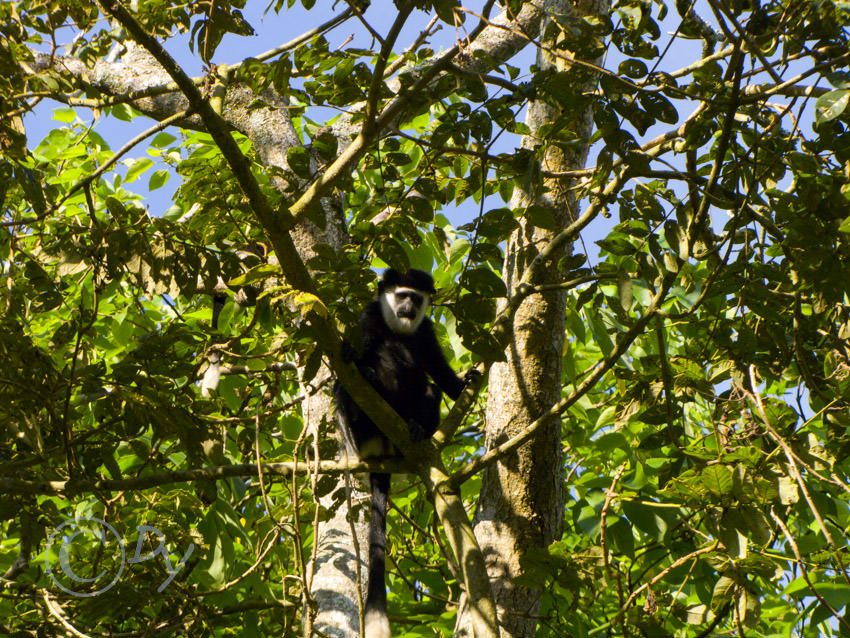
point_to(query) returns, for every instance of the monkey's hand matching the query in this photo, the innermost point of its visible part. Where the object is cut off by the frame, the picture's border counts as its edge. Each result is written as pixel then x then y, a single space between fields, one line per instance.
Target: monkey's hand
pixel 417 432
pixel 472 375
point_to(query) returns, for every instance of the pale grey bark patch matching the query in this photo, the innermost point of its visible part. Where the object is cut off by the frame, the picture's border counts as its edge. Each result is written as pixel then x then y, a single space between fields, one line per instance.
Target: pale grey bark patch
pixel 335 577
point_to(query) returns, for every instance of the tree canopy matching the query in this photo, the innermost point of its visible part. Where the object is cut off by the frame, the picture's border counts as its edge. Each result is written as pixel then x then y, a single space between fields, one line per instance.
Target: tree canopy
pixel 698 401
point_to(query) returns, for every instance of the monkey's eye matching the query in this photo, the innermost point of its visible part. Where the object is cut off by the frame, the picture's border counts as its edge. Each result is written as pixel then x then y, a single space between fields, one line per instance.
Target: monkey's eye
pixel 412 296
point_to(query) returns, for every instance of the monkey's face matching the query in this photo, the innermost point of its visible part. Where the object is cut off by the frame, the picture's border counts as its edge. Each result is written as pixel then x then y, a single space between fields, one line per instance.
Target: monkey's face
pixel 404 308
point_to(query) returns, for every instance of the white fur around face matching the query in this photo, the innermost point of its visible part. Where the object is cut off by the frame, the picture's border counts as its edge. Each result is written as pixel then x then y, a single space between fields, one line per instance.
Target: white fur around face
pixel 402 325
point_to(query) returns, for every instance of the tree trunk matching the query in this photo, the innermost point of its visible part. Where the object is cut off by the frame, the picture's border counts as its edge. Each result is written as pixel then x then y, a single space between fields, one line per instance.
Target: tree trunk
pixel 521 505
pixel 333 573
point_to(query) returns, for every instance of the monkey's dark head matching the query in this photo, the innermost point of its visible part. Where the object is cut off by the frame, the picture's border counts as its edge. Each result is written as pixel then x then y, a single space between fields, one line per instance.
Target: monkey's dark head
pixel 405 298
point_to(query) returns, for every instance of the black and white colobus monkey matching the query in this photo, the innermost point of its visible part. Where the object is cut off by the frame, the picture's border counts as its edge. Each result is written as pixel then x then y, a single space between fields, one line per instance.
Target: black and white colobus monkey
pixel 399 351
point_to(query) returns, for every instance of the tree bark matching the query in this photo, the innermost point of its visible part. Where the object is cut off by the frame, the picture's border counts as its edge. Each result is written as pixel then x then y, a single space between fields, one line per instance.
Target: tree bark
pixel 333 575
pixel 521 505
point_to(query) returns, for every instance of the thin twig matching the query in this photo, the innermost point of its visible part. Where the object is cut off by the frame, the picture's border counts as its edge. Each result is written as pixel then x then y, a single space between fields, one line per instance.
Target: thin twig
pixel 803 570
pixel 675 564
pixel 381 64
pixel 119 154
pixel 795 472
pixel 753 47
pixel 425 33
pixel 283 48
pixel 603 533
pixel 59 614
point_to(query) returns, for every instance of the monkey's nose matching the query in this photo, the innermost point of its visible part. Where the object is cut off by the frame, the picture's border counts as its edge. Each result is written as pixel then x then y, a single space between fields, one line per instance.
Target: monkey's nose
pixel 407 313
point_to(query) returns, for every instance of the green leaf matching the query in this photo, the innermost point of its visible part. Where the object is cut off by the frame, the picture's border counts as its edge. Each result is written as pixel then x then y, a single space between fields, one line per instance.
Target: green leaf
pixel 255 275
pixel 136 167
pixel 65 114
pixel 281 72
pixel 625 290
pixel 298 159
pixel 475 308
pixel 631 15
pixel 485 282
pixel 311 368
pixel 397 158
pixel 418 208
pixel 123 112
pixel 30 183
pixel 116 207
pixel 718 479
pixel 600 334
pixel 162 140
pixel 697 614
pixel 730 533
pixel 572 262
pixel 506 189
pixel 617 245
pixel 645 518
pixel 748 608
pixel 215 562
pixel 659 107
pixel 837 594
pixel 392 253
pixel 722 593
pixel 541 217
pixel 757 523
pixel 445 10
pixel 798 587
pixel 612 441
pixel 497 224
pixel 158 179
pixel 484 252
pixel 622 533
pixel 788 492
pixel 821 613
pixel 479 341
pixel 342 72
pixel 830 105
pixel 632 68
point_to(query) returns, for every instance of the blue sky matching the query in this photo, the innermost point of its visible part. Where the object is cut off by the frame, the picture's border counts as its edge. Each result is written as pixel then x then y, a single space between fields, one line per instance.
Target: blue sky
pixel 271 30
pixel 274 29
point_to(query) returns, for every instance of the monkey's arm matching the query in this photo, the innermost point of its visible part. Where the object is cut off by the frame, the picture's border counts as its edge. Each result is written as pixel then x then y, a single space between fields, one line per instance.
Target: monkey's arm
pixel 371 328
pixel 435 362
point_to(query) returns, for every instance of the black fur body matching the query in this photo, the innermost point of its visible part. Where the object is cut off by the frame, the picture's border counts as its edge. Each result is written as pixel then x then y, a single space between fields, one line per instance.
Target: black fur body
pixel 398 365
